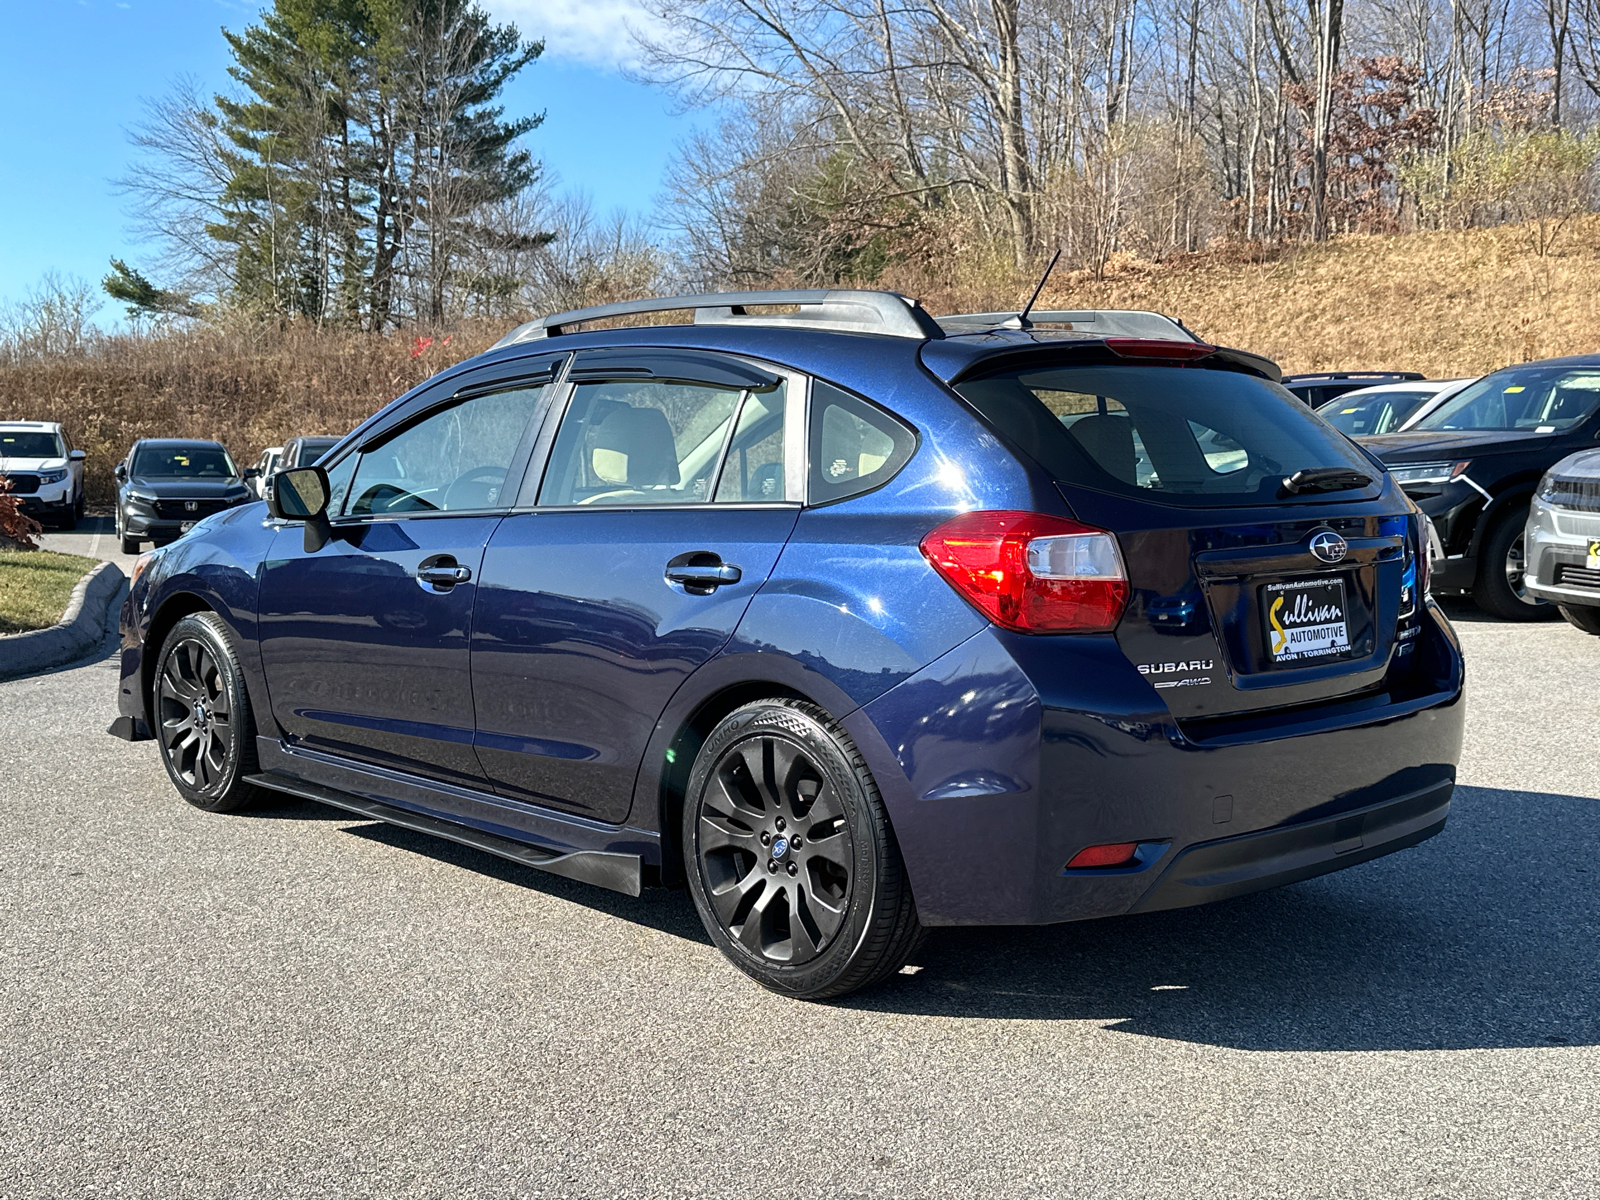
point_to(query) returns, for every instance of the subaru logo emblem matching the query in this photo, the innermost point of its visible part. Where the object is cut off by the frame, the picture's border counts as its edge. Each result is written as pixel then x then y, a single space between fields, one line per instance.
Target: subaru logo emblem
pixel 780 847
pixel 1329 546
pixel 191 506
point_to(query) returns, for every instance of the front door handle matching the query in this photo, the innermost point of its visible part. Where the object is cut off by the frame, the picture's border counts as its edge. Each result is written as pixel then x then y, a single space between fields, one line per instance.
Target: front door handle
pixel 442 573
pixel 701 572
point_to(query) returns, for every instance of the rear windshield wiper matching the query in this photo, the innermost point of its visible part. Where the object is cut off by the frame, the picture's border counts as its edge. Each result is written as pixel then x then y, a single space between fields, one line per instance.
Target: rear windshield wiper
pixel 1323 479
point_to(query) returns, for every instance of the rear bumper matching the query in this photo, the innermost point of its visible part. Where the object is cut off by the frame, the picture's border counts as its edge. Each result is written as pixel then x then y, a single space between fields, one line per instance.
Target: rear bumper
pixel 1271 858
pixel 1012 754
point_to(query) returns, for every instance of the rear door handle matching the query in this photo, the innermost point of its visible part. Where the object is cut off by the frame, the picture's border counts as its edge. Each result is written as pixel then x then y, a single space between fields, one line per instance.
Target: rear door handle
pixel 701 572
pixel 443 572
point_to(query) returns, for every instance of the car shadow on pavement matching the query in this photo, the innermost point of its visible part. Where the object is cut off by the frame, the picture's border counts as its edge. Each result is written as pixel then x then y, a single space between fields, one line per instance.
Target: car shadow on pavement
pixel 666 910
pixel 1484 937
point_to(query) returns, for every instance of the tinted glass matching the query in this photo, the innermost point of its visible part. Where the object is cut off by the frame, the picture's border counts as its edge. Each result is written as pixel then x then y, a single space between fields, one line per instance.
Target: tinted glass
pixel 31 445
pixel 753 468
pixel 453 460
pixel 637 442
pixel 312 449
pixel 1176 435
pixel 1368 416
pixel 855 446
pixel 1531 399
pixel 183 462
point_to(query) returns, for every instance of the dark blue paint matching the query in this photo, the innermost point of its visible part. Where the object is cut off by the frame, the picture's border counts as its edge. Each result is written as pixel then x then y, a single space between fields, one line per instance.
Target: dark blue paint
pixel 579 641
pixel 545 699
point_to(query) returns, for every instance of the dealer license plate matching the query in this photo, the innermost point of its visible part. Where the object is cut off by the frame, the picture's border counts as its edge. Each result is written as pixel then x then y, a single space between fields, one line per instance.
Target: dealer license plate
pixel 1594 556
pixel 1305 620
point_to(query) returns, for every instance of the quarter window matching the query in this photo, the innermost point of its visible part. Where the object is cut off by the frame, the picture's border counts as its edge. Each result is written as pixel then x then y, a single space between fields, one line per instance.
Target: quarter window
pixel 855 446
pixel 452 460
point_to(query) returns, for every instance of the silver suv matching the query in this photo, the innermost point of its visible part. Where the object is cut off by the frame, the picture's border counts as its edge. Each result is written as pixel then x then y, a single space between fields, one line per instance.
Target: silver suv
pixel 46 473
pixel 1563 539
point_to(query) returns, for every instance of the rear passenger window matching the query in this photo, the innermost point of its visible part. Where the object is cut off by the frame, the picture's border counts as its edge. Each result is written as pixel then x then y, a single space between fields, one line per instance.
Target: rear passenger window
pixel 855 446
pixel 640 442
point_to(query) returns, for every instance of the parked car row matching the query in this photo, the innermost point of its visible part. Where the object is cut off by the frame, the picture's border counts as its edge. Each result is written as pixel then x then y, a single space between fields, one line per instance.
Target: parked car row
pixel 166 486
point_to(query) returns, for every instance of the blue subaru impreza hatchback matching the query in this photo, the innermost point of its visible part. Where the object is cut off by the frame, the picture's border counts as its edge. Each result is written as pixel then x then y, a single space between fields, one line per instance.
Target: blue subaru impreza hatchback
pixel 852 621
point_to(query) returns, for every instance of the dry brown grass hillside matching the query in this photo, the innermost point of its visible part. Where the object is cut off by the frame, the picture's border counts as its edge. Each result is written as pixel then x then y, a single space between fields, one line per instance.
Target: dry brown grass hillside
pixel 1446 304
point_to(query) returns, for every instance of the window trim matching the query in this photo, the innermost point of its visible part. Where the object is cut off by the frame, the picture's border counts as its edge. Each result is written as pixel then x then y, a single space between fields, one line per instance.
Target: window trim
pixel 472 389
pixel 796 384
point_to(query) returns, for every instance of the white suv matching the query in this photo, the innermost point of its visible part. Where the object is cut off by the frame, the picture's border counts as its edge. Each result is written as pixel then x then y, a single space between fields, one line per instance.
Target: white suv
pixel 46 473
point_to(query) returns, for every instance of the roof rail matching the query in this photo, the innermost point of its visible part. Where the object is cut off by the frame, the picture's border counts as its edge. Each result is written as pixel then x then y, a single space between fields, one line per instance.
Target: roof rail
pixel 841 309
pixel 1105 322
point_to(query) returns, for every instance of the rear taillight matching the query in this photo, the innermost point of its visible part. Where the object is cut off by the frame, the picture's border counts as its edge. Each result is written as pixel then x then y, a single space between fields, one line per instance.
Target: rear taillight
pixel 1031 572
pixel 1425 539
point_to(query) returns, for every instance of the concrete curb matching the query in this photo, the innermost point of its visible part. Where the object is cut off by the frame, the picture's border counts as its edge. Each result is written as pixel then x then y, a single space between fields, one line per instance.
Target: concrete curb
pixel 80 630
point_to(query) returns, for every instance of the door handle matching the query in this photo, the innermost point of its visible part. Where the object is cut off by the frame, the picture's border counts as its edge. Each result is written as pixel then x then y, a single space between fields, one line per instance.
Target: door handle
pixel 701 572
pixel 442 572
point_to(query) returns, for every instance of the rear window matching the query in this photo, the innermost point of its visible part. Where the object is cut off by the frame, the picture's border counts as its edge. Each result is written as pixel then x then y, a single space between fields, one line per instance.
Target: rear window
pixel 313 449
pixel 1174 435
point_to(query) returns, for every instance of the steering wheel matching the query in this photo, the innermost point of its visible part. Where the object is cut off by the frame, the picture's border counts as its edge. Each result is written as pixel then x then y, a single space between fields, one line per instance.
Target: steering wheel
pixel 488 481
pixel 381 497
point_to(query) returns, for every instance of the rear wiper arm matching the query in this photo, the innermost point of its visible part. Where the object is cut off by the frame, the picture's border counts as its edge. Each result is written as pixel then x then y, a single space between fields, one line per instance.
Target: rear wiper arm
pixel 1323 479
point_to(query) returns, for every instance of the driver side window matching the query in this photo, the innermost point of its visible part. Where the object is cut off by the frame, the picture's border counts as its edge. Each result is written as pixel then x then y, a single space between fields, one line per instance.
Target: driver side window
pixel 453 460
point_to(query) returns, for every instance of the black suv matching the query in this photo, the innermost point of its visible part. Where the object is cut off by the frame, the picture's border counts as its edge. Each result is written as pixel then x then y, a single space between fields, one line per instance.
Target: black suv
pixel 1473 463
pixel 1317 388
pixel 165 486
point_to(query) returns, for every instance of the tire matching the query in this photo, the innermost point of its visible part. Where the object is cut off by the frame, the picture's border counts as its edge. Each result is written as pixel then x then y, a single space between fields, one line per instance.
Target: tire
pixel 1499 589
pixel 836 915
pixel 201 716
pixel 79 508
pixel 1582 616
pixel 130 545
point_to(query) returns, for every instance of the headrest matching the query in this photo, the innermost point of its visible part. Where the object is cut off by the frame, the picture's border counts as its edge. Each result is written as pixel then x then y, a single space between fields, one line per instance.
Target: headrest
pixel 1109 441
pixel 634 447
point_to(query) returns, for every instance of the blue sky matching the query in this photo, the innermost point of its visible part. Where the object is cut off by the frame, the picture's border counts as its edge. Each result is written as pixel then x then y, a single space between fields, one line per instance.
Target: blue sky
pixel 73 72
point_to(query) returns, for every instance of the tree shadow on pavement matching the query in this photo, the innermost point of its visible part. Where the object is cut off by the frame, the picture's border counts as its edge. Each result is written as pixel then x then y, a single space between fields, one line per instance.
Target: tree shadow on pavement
pixel 1485 936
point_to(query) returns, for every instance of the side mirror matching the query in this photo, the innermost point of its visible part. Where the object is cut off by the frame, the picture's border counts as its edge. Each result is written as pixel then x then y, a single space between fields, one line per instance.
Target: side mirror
pixel 301 494
pixel 252 473
pixel 121 472
pixel 77 455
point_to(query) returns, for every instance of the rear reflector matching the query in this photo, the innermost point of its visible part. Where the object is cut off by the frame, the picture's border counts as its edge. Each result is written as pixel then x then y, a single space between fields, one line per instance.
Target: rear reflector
pixel 1031 572
pixel 1157 348
pixel 1113 854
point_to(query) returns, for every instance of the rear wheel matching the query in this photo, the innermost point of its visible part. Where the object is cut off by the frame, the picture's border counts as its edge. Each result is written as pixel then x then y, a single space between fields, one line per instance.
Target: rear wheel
pixel 790 857
pixel 1582 616
pixel 1501 588
pixel 202 716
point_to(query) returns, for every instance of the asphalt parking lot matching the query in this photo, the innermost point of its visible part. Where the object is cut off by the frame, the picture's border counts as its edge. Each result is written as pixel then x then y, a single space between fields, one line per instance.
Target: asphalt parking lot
pixel 298 1003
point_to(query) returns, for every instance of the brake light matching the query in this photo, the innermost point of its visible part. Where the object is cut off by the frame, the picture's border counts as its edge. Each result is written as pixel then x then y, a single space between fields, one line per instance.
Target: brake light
pixel 1424 527
pixel 1129 347
pixel 1031 572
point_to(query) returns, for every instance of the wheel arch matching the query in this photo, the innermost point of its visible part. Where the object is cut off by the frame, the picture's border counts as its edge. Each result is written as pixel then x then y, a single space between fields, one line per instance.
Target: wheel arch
pixel 1495 510
pixel 708 696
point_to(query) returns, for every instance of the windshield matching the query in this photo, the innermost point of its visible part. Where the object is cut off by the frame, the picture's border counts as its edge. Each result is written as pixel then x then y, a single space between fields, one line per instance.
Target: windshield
pixel 30 445
pixel 312 449
pixel 1176 435
pixel 1368 416
pixel 1529 399
pixel 184 462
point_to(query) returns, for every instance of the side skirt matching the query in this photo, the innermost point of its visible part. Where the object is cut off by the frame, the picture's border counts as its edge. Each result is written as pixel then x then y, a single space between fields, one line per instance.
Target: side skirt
pixel 611 857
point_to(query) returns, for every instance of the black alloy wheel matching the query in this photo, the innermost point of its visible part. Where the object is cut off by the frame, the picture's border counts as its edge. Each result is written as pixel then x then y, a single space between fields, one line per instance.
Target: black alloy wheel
pixel 791 861
pixel 1501 588
pixel 202 716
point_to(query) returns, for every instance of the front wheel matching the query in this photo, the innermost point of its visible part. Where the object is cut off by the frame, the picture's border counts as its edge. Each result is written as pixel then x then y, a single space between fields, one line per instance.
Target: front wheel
pixel 1501 588
pixel 790 857
pixel 1582 616
pixel 202 718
